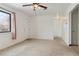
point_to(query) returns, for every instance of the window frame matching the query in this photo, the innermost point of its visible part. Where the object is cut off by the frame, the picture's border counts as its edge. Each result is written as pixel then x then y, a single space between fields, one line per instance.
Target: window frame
pixel 9 21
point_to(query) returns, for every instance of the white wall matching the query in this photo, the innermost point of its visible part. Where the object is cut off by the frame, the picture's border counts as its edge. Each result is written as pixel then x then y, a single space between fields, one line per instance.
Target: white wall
pixel 21 29
pixel 45 27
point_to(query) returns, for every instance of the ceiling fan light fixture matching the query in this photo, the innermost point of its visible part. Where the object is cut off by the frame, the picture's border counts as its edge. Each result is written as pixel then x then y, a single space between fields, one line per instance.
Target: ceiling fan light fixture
pixel 35 5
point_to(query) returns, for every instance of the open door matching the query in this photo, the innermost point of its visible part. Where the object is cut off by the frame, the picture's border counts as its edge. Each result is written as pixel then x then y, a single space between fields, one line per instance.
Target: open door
pixel 74 27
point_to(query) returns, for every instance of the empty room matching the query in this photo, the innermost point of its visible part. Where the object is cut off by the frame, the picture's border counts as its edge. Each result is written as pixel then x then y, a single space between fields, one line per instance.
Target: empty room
pixel 39 29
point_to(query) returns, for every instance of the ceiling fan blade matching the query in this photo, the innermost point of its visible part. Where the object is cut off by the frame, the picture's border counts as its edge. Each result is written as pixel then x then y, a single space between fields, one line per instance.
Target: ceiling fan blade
pixel 27 5
pixel 43 6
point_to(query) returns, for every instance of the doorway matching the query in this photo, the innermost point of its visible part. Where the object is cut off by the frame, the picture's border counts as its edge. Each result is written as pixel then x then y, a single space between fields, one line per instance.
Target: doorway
pixel 74 26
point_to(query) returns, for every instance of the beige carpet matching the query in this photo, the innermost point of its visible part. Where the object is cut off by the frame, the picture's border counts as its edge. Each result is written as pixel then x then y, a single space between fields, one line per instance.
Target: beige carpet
pixel 38 47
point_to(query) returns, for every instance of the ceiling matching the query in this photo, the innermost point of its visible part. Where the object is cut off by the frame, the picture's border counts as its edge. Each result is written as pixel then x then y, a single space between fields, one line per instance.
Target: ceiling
pixel 53 8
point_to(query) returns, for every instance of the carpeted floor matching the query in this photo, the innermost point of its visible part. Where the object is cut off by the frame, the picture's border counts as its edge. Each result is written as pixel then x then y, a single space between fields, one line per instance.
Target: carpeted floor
pixel 39 47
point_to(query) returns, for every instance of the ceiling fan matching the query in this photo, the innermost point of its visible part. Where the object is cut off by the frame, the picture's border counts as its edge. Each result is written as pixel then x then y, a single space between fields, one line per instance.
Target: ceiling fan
pixel 36 5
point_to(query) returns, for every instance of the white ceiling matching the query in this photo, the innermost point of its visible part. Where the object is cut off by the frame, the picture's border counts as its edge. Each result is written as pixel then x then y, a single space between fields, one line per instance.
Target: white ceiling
pixel 53 8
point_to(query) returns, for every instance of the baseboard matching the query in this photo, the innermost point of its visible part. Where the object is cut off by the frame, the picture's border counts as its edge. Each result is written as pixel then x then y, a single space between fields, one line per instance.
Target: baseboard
pixel 42 38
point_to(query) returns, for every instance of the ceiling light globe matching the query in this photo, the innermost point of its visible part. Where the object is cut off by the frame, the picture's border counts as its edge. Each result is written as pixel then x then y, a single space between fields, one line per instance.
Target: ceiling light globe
pixel 36 6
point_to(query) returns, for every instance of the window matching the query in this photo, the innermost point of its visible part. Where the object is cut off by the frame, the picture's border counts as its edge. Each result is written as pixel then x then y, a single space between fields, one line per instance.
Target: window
pixel 5 22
